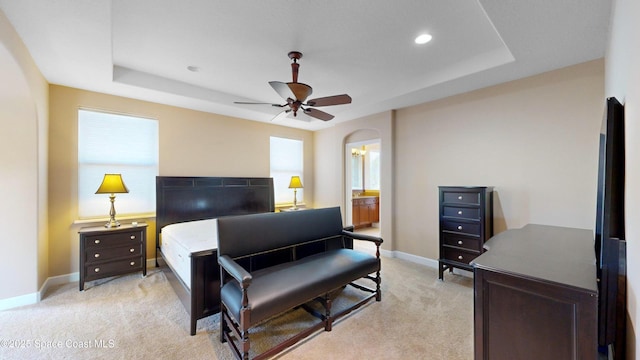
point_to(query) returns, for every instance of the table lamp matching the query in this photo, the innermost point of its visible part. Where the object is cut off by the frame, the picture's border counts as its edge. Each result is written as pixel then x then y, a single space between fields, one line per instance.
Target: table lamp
pixel 112 184
pixel 295 184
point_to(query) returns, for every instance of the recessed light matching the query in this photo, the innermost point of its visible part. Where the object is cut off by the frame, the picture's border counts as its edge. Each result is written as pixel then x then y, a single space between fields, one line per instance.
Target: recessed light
pixel 423 39
pixel 193 68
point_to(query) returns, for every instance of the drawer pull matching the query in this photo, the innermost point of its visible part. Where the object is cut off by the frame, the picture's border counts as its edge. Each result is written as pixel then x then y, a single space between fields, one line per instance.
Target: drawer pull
pixel 96 255
pixel 459 257
pixel 132 250
pixel 97 241
pixel 132 263
pixel 459 212
pixel 133 237
pixel 459 227
pixel 96 269
pixel 459 242
pixel 460 197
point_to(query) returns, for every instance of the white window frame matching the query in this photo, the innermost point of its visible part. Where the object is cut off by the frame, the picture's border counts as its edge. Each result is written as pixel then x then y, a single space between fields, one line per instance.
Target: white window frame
pixel 286 159
pixel 116 143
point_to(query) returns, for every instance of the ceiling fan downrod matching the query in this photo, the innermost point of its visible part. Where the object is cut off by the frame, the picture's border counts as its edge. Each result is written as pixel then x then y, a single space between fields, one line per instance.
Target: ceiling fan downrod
pixel 295 56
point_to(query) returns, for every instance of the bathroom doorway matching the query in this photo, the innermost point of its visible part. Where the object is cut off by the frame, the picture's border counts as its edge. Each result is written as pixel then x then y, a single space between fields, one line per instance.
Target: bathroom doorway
pixel 362 186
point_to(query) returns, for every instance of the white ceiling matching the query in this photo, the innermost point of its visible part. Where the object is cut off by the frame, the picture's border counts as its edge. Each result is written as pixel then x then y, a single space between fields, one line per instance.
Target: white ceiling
pixel 142 48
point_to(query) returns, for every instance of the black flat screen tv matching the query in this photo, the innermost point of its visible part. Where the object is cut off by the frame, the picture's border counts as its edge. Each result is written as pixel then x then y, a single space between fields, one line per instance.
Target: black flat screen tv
pixel 610 246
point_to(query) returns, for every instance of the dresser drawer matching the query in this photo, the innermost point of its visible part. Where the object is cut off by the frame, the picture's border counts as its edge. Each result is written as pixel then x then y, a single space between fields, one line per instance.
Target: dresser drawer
pixel 454 197
pixel 464 242
pixel 457 255
pixel 97 254
pixel 461 227
pixel 111 240
pixel 461 212
pixel 101 270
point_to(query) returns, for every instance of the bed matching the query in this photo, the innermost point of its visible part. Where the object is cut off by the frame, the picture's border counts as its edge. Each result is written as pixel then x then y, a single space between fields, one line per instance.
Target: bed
pixel 186 249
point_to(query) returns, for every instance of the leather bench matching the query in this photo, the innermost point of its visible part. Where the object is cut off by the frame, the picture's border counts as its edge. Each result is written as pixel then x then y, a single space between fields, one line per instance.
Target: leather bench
pixel 271 263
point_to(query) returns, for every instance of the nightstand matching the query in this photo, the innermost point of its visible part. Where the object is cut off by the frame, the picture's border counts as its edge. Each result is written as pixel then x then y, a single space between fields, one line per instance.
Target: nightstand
pixel 106 252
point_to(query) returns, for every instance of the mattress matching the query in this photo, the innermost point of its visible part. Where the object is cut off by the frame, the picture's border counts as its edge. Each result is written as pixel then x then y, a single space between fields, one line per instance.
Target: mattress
pixel 179 241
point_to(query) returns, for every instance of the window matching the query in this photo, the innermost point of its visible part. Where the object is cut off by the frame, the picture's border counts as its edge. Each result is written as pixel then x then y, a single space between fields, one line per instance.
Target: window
pixel 110 143
pixel 365 166
pixel 372 168
pixel 286 160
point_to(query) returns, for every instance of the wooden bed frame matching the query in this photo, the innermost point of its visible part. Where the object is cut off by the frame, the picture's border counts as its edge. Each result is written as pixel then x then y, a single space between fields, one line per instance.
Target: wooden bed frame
pixel 181 199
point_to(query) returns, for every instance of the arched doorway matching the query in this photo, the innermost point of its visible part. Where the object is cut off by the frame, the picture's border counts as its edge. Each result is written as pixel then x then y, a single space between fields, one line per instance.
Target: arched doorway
pixel 363 190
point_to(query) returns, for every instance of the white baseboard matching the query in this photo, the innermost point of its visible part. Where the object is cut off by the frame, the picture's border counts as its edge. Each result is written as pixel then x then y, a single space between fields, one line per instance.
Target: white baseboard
pixel 36 297
pixel 17 301
pixel 414 258
pixel 400 255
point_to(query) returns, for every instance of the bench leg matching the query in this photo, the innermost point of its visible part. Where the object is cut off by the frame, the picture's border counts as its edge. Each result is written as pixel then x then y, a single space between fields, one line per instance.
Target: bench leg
pixel 327 307
pixel 245 315
pixel 223 328
pixel 378 281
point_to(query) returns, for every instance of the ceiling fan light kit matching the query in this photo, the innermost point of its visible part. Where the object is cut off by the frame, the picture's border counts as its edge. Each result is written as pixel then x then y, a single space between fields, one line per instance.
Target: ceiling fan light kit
pixel 296 93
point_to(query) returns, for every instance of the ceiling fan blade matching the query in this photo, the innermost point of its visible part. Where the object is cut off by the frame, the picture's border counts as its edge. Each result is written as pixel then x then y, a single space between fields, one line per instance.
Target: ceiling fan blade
pixel 282 115
pixel 300 91
pixel 330 100
pixel 257 103
pixel 282 89
pixel 318 114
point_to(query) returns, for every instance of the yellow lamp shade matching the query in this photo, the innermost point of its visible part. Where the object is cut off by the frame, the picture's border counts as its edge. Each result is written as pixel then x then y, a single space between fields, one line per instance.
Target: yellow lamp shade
pixel 112 184
pixel 295 183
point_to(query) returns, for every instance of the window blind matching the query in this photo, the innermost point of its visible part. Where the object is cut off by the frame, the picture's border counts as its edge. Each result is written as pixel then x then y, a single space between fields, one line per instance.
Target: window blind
pixel 286 160
pixel 112 143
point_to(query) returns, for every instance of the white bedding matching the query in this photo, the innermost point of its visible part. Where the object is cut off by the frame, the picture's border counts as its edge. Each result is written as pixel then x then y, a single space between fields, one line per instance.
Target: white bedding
pixel 179 241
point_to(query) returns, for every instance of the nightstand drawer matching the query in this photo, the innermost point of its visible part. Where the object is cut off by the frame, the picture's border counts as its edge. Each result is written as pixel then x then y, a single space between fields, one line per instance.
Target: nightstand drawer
pixel 460 256
pixel 464 242
pixel 101 270
pixel 461 227
pixel 102 254
pixel 461 197
pixel 472 213
pixel 115 239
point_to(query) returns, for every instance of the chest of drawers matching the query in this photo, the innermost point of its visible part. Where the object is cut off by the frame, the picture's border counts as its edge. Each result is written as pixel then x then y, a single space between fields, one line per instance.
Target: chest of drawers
pixel 106 252
pixel 466 222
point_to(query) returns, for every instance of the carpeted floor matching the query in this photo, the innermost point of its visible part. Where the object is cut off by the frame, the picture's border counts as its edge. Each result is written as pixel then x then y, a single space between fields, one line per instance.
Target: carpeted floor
pixel 131 317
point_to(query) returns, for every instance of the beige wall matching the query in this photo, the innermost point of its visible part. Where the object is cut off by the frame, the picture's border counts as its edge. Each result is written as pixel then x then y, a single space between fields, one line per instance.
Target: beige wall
pixel 623 82
pixel 23 169
pixel 192 143
pixel 535 140
pixel 330 158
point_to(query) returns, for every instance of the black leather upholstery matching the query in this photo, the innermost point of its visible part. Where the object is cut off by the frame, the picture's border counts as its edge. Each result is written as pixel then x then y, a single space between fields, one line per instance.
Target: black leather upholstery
pixel 251 234
pixel 278 288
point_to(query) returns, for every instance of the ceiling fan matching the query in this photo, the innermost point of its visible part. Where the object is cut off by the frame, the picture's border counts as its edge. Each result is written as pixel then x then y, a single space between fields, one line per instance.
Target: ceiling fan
pixel 296 94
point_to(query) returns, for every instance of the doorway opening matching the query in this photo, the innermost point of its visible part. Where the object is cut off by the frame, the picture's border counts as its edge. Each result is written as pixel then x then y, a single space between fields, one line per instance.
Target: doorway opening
pixel 362 188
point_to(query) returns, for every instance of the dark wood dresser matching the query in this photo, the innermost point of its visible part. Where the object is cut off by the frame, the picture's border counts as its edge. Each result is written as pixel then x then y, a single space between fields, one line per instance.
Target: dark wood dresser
pixel 466 222
pixel 106 252
pixel 536 295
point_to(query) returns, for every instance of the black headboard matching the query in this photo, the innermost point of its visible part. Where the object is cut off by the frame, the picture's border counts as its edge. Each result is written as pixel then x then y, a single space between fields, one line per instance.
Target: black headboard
pixel 180 198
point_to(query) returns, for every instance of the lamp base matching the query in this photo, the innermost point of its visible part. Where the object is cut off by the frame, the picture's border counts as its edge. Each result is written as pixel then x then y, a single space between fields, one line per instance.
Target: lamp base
pixel 112 223
pixel 112 213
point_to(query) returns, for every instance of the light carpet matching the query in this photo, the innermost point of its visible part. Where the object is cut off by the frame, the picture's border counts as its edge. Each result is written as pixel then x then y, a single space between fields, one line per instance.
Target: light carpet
pixel 132 317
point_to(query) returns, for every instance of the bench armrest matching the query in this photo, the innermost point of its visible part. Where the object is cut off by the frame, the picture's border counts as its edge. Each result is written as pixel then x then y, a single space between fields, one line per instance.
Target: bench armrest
pixel 241 275
pixel 357 236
